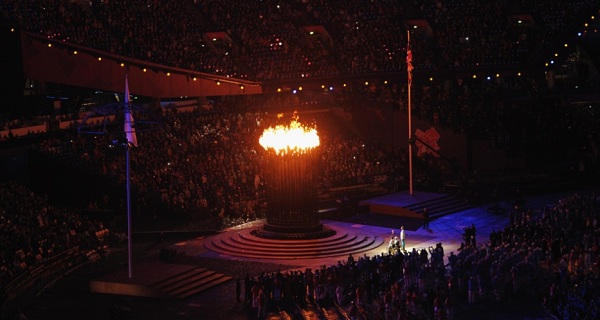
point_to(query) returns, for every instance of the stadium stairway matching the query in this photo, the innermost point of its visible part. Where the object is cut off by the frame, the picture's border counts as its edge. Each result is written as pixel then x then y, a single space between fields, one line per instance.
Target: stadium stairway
pixel 188 283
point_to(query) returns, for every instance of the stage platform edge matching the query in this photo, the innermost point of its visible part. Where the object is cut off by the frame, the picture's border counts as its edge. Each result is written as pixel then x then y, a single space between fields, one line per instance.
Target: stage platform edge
pixel 402 204
pixel 122 288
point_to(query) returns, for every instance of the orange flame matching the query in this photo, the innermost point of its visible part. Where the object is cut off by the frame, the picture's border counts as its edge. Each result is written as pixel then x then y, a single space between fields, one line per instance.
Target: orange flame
pixel 295 138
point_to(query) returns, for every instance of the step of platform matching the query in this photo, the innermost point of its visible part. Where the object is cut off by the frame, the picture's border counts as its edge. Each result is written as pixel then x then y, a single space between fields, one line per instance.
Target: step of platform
pixel 441 206
pixel 244 244
pixel 407 205
pixel 189 283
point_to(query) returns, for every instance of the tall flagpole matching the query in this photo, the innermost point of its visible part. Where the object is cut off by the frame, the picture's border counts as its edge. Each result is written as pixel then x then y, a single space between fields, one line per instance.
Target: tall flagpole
pixel 89 125
pixel 129 246
pixel 129 128
pixel 409 68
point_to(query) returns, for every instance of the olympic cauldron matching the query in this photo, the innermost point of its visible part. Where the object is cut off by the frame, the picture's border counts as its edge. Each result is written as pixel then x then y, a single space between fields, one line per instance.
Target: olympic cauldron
pixel 291 160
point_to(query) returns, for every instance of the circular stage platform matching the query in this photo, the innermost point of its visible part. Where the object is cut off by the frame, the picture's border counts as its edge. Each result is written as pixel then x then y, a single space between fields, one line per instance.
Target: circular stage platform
pixel 242 243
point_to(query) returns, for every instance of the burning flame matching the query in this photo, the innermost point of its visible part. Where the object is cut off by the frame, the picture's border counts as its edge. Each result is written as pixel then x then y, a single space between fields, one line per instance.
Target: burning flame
pixel 295 138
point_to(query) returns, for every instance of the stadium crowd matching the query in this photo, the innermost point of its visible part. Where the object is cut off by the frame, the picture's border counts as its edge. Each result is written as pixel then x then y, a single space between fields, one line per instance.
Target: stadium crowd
pixel 274 40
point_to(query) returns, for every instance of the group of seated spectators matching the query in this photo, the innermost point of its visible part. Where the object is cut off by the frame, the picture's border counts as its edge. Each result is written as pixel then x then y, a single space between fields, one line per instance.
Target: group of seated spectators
pixel 161 32
pixel 270 43
pixel 32 231
pixel 519 113
pixel 267 40
pixel 550 259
